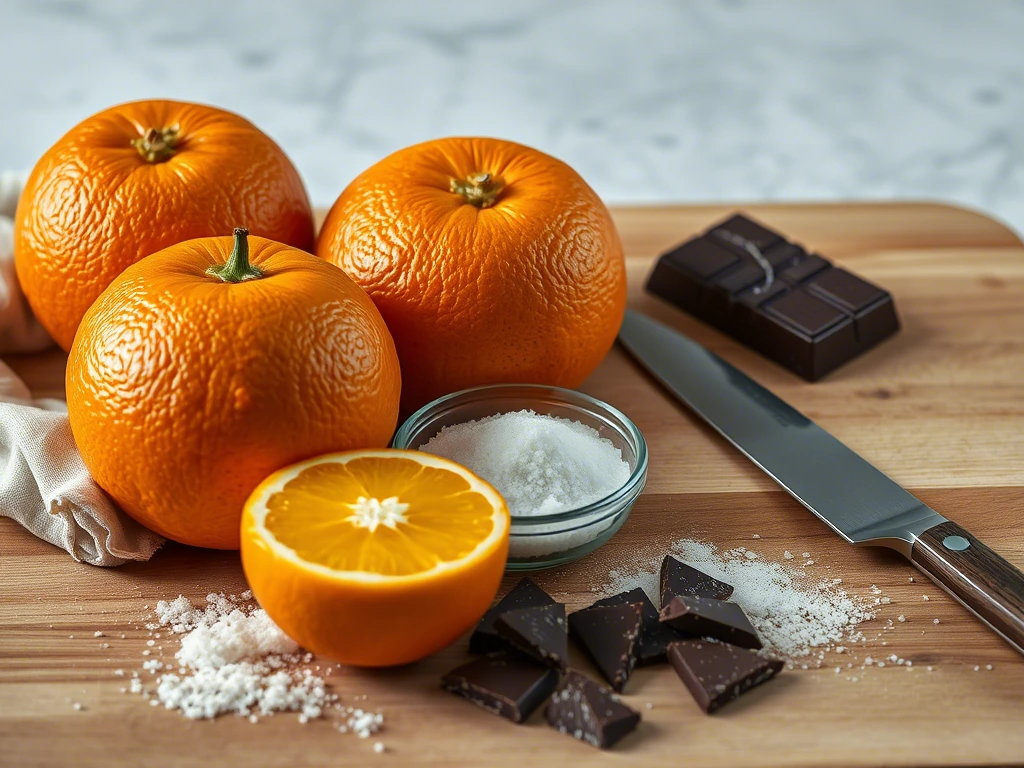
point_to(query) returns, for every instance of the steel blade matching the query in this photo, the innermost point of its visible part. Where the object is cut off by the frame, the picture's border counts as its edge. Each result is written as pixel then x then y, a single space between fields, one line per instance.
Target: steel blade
pixel 855 499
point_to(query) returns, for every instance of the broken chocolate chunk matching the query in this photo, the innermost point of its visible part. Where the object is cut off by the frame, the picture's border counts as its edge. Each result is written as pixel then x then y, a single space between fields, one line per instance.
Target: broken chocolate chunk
pixel 610 635
pixel 589 712
pixel 716 673
pixel 525 594
pixel 678 578
pixel 540 632
pixel 654 636
pixel 507 684
pixel 703 617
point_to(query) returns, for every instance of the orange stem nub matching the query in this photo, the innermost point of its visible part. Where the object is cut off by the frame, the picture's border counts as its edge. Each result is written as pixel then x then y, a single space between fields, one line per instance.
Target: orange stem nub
pixel 158 145
pixel 479 189
pixel 237 268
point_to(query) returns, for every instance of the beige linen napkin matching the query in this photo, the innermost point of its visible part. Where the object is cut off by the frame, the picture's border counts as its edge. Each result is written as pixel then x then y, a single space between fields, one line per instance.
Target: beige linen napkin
pixel 43 483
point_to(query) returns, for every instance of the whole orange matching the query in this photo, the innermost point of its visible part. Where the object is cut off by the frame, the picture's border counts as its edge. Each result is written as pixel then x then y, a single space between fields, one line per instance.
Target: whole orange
pixel 137 178
pixel 490 262
pixel 208 365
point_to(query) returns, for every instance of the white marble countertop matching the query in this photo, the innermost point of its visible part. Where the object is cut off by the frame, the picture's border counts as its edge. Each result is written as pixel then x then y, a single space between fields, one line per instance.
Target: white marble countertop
pixel 652 101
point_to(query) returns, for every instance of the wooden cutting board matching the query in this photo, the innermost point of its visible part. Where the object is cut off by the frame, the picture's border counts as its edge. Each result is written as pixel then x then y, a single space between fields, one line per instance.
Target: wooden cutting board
pixel 940 408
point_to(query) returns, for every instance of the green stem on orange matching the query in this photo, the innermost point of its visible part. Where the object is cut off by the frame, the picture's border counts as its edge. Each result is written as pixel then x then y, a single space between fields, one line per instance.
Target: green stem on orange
pixel 158 144
pixel 479 189
pixel 237 268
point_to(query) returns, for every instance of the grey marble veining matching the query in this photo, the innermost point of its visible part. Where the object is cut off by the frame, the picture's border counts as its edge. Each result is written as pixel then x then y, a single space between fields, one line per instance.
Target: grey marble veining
pixel 652 101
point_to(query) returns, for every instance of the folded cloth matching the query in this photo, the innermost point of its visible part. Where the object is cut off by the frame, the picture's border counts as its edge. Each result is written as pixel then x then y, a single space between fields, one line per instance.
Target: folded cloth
pixel 43 483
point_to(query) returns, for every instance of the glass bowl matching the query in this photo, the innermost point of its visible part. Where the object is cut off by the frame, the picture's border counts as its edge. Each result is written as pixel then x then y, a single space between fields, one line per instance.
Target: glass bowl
pixel 545 541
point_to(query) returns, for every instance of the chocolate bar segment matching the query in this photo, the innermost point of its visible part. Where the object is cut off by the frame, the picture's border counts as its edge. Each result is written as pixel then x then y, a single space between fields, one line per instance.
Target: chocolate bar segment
pixel 801 267
pixel 717 673
pixel 654 636
pixel 678 578
pixel 506 684
pixel 540 632
pixel 791 306
pixel 610 636
pixel 739 227
pixel 525 594
pixel 718 619
pixel 589 712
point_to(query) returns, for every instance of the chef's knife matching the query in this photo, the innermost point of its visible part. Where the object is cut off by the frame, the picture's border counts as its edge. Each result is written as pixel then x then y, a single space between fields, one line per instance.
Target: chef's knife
pixel 847 493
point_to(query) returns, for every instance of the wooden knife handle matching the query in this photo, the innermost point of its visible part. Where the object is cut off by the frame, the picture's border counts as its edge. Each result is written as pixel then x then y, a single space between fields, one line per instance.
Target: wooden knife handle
pixel 976 576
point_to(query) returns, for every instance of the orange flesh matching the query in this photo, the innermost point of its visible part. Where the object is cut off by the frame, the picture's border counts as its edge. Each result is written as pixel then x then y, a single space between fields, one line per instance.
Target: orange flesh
pixel 436 518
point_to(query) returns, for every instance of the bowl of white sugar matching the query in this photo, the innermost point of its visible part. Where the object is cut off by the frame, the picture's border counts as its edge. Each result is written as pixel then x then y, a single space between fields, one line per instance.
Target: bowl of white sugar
pixel 569 466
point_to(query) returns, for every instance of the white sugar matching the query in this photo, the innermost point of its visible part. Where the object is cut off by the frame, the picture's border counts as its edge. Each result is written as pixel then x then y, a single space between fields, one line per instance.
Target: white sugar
pixel 233 637
pixel 233 659
pixel 791 614
pixel 540 464
pixel 236 660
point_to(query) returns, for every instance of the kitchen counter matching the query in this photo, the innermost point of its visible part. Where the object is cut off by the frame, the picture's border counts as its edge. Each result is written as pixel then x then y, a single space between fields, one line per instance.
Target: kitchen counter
pixel 939 407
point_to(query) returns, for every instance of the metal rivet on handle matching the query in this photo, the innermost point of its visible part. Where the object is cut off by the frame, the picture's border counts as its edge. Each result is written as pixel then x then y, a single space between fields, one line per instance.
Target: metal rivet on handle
pixel 956 543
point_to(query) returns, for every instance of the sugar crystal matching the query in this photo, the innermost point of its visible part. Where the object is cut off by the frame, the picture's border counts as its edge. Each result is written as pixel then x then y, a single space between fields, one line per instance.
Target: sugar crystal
pixel 540 464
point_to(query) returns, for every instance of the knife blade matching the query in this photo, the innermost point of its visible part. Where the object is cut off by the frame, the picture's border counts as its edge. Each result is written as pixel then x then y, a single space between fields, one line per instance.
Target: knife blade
pixel 846 492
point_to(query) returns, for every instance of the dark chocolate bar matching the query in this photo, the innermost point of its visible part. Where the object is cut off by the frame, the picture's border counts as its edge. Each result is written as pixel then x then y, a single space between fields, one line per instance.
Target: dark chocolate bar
pixel 507 684
pixel 678 578
pixel 791 306
pixel 589 712
pixel 703 617
pixel 717 673
pixel 525 594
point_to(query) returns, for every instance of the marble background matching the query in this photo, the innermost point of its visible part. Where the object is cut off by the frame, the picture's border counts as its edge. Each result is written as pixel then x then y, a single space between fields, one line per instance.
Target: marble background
pixel 652 101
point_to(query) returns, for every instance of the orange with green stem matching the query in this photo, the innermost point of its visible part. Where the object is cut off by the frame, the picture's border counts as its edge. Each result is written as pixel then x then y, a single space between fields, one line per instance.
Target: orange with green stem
pixel 214 362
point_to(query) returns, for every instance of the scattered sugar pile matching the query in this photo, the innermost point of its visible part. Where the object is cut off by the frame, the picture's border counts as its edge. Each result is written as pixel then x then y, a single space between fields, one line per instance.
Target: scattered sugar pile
pixel 793 616
pixel 233 659
pixel 540 464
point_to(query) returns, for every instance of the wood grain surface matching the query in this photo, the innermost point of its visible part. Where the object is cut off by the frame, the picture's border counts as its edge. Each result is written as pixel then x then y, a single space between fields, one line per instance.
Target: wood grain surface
pixel 940 408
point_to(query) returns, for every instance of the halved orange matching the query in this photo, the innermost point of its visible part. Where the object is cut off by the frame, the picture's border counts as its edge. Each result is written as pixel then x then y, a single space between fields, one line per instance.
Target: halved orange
pixel 375 557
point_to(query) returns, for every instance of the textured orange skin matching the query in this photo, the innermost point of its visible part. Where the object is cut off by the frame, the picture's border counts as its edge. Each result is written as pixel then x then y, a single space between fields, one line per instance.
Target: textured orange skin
pixel 184 392
pixel 93 206
pixel 532 289
pixel 376 625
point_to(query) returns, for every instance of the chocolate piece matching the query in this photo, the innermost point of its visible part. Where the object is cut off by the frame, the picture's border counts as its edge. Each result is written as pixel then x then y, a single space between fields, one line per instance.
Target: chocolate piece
pixel 654 636
pixel 740 226
pixel 703 258
pixel 678 578
pixel 811 317
pixel 525 594
pixel 844 290
pixel 540 632
pixel 506 684
pixel 783 255
pixel 702 617
pixel 806 313
pixel 589 712
pixel 717 673
pixel 609 634
pixel 801 267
